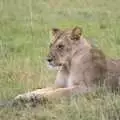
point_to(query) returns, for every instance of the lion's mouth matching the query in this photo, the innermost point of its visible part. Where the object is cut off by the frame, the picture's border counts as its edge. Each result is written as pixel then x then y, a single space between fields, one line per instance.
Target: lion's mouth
pixel 52 65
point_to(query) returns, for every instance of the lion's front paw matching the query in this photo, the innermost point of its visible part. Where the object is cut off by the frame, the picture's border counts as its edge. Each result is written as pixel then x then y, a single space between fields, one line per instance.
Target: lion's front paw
pixel 31 99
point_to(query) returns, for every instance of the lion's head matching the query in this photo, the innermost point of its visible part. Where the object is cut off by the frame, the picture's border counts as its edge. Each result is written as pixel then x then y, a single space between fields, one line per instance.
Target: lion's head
pixel 63 44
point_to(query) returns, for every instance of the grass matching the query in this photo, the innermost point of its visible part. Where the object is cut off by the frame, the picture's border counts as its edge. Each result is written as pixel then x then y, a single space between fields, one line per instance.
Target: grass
pixel 24 40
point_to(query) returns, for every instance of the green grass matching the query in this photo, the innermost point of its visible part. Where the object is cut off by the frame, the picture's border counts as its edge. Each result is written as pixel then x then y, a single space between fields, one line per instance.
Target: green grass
pixel 24 40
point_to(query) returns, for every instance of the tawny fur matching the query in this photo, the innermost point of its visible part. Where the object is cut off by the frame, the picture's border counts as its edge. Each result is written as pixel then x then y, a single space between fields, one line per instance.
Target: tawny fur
pixel 81 68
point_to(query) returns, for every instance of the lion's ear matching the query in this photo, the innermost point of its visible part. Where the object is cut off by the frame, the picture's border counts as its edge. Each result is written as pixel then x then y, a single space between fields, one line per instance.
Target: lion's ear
pixel 76 33
pixel 55 31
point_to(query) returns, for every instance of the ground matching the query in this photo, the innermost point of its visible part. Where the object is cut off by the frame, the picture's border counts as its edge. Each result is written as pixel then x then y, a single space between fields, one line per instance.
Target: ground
pixel 24 41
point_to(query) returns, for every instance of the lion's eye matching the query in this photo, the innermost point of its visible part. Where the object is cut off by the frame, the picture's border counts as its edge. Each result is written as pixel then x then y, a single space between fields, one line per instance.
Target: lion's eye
pixel 60 46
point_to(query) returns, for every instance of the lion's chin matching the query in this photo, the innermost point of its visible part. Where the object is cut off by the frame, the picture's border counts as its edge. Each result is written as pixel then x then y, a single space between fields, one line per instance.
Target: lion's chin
pixel 54 67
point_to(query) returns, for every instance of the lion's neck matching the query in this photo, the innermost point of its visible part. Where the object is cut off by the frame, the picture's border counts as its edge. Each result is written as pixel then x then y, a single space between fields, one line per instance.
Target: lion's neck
pixel 80 47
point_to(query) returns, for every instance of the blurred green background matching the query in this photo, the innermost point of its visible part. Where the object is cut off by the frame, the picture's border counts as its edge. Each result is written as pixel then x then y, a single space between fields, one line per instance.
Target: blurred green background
pixel 24 41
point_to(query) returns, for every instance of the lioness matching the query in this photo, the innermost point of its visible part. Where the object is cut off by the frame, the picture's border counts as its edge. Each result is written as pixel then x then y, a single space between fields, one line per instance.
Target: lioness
pixel 81 67
pixel 78 63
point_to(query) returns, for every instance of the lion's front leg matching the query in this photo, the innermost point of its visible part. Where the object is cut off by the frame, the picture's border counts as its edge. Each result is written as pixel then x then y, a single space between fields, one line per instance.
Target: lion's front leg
pixel 37 96
pixel 67 92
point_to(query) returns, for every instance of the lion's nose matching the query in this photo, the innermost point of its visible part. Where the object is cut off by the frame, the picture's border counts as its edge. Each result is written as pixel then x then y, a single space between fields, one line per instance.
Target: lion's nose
pixel 49 59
